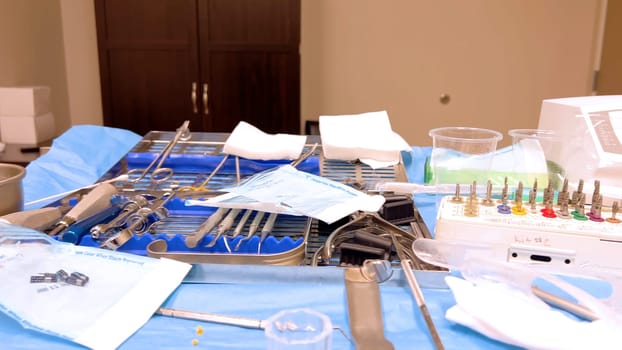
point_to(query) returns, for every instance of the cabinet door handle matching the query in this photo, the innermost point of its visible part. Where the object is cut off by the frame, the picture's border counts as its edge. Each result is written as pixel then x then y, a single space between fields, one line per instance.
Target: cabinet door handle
pixel 205 96
pixel 193 98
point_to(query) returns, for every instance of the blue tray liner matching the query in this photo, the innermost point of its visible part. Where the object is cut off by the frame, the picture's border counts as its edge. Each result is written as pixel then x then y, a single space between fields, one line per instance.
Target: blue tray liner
pixel 176 243
pixel 205 163
pixel 177 206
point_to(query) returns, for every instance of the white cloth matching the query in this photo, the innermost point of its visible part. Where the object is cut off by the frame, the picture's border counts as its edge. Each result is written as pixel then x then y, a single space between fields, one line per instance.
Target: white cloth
pixel 515 318
pixel 249 142
pixel 367 137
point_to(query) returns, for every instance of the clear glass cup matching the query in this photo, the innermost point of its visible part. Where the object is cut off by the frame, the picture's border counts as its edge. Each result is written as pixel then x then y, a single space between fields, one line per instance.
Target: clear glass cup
pixel 461 155
pixel 299 329
pixel 531 151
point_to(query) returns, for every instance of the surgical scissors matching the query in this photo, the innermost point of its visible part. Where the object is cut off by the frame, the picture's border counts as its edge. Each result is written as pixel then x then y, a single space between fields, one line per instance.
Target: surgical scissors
pixel 159 174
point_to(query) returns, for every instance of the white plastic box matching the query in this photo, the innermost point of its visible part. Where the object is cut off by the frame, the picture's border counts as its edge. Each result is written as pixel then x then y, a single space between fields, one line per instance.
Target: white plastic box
pixel 26 101
pixel 591 131
pixel 27 130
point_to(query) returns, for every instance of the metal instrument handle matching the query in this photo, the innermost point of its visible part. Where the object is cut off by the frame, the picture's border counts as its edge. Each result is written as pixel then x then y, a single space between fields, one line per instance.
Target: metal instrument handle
pixel 205 99
pixel 365 311
pixel 193 98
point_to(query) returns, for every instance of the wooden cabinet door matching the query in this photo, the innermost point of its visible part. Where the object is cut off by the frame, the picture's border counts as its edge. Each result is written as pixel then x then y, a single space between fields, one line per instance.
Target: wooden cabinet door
pixel 149 61
pixel 213 62
pixel 251 63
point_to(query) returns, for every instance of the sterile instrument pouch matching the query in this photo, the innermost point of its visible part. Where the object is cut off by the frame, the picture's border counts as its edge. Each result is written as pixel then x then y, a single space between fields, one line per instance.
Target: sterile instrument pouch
pixel 286 190
pixel 93 297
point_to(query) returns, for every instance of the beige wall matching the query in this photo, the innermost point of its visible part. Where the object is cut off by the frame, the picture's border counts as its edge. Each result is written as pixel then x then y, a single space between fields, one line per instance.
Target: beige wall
pixel 53 43
pixel 496 59
pixel 31 50
pixel 80 43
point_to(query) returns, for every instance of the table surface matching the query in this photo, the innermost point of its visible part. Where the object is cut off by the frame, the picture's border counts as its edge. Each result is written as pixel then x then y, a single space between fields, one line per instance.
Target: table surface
pixel 261 291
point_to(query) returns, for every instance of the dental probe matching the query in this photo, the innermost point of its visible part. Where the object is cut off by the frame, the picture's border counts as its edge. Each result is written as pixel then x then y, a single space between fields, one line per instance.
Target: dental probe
pixel 244 322
pixel 238 229
pixel 224 226
pixel 267 228
pixel 252 228
pixel 95 201
pixel 193 239
pixel 407 268
pixel 210 317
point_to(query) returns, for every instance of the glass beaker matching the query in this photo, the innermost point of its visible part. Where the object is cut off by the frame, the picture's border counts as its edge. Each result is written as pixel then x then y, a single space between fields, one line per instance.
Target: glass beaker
pixel 461 155
pixel 531 150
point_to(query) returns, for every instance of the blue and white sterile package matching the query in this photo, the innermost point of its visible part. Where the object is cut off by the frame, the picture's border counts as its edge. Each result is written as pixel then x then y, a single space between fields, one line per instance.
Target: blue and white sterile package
pixel 93 297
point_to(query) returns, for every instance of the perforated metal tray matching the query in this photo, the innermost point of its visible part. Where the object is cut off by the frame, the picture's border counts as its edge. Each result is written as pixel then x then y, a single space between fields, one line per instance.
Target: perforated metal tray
pixel 192 160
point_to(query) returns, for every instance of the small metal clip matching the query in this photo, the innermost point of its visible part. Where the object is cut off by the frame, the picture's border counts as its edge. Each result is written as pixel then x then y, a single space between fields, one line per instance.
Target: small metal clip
pixel 62 275
pixel 44 278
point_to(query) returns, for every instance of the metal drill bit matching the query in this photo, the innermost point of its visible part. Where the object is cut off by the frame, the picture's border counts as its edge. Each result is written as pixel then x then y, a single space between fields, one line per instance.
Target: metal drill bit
pixel 577 193
pixel 596 189
pixel 596 208
pixel 579 212
pixel 535 185
pixel 518 201
pixel 457 198
pixel 518 194
pixel 487 201
pixel 532 201
pixel 563 200
pixel 563 191
pixel 504 194
pixel 614 211
pixel 471 209
pixel 547 196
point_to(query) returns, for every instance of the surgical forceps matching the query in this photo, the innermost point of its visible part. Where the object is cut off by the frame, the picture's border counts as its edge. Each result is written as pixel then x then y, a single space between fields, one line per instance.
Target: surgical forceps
pixel 202 187
pixel 192 240
pixel 159 174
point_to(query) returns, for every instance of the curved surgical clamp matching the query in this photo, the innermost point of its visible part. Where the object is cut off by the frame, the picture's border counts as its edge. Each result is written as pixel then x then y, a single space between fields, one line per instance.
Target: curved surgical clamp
pixel 159 174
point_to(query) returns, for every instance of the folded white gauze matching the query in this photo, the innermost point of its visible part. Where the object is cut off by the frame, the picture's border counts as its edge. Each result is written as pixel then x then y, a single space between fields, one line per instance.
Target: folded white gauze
pixel 249 142
pixel 367 137
pixel 510 316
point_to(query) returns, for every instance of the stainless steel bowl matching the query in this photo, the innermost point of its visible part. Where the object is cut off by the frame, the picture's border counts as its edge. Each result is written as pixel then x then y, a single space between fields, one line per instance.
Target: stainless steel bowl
pixel 11 191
